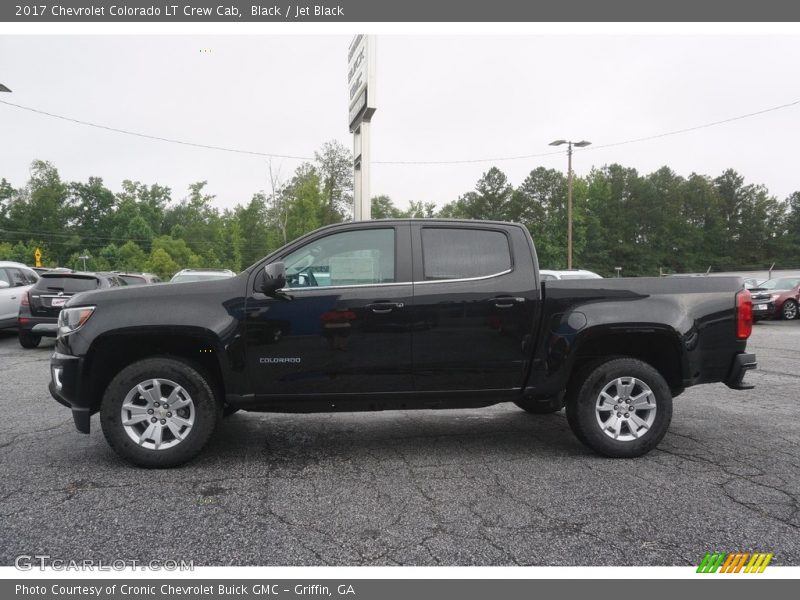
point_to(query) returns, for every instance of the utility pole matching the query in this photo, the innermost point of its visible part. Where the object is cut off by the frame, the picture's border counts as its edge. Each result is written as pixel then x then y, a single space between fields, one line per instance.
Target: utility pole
pixel 569 144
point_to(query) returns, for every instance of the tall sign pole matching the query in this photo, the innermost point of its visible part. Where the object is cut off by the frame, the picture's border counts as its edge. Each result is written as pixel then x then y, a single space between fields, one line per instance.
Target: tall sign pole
pixel 361 86
pixel 569 206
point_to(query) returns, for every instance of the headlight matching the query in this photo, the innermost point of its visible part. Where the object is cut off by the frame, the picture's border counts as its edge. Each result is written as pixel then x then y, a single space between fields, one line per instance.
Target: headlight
pixel 72 319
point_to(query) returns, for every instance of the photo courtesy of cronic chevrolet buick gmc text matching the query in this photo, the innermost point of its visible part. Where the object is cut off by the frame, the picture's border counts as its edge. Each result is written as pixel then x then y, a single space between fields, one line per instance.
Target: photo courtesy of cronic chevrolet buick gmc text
pixel 396 314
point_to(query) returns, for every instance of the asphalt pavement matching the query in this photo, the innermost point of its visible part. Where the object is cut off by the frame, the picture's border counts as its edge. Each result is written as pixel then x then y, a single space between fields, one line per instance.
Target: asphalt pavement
pixel 492 486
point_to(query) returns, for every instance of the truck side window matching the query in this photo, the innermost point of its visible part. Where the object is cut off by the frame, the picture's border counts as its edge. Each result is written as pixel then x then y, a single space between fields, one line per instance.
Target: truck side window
pixel 450 253
pixel 363 257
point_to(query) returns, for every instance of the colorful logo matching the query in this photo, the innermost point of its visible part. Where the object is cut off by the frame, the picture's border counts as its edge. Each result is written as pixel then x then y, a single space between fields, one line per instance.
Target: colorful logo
pixel 734 562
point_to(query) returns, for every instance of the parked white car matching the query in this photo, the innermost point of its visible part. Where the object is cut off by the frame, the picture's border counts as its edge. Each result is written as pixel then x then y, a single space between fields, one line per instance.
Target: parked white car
pixel 546 275
pixel 15 280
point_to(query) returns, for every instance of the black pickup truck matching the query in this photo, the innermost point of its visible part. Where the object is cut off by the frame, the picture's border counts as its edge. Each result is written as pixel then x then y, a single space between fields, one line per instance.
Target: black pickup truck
pixel 396 314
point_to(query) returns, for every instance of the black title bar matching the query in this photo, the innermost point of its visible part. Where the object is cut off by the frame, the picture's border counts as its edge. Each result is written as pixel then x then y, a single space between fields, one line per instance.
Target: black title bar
pixel 291 11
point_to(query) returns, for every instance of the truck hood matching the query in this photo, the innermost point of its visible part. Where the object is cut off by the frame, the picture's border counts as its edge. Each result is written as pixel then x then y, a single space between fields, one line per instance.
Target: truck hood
pixel 161 294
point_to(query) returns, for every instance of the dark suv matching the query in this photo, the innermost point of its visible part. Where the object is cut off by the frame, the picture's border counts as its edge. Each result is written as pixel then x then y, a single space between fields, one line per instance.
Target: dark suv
pixel 40 306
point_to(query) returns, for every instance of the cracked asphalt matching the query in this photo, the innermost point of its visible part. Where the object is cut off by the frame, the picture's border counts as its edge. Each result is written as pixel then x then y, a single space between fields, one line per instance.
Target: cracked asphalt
pixel 492 486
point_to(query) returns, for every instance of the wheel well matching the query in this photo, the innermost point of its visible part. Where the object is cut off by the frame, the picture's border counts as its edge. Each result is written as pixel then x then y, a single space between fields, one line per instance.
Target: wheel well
pixel 107 357
pixel 656 349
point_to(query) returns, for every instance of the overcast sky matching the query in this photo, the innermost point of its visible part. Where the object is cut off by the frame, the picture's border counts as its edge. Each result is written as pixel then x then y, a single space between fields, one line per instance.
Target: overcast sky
pixel 439 98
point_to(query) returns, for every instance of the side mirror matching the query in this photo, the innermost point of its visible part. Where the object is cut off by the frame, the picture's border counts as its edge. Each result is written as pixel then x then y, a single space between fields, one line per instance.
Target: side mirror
pixel 4 285
pixel 274 278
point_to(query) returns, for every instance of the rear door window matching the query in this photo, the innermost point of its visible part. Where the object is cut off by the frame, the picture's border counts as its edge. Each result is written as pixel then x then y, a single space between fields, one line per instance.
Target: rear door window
pixel 17 277
pixel 450 253
pixel 68 285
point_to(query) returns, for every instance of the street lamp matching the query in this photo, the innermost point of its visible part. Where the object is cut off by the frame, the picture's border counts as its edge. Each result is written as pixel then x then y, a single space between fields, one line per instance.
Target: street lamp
pixel 569 144
pixel 84 258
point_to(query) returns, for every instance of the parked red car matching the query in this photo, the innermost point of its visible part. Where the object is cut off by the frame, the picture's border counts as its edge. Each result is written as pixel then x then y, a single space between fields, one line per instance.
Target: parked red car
pixel 777 298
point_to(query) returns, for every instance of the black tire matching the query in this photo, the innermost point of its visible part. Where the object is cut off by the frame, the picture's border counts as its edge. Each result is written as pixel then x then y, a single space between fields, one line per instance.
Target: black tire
pixel 789 311
pixel 536 407
pixel 28 340
pixel 584 391
pixel 207 412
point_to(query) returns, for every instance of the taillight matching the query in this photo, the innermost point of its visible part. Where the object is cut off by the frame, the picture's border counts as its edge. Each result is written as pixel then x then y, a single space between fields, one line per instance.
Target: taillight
pixel 26 299
pixel 744 314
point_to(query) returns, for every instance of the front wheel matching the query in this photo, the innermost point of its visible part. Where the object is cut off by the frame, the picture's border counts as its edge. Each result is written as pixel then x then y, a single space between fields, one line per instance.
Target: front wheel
pixel 620 408
pixel 158 412
pixel 789 310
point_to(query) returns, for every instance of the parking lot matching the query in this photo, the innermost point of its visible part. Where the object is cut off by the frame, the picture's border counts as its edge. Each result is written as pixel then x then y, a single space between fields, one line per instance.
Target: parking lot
pixel 492 486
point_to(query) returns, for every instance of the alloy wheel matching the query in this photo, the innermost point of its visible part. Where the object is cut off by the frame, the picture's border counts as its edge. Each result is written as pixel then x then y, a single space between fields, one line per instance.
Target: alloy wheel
pixel 625 409
pixel 158 414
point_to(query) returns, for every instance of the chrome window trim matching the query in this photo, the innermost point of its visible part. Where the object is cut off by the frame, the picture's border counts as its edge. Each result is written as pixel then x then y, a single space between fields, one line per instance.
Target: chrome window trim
pixel 345 287
pixel 362 285
pixel 462 279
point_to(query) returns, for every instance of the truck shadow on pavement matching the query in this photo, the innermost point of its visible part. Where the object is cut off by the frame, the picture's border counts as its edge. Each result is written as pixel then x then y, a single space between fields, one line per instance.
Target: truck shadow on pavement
pixel 502 432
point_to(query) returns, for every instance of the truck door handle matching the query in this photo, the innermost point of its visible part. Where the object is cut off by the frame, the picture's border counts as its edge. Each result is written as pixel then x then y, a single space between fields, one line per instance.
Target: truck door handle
pixel 382 308
pixel 506 301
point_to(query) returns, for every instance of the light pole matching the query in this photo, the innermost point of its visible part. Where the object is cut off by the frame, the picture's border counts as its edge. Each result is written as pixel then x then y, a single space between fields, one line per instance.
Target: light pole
pixel 84 258
pixel 569 144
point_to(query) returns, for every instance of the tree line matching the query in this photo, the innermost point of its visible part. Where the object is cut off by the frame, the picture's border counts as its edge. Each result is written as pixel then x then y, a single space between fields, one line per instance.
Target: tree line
pixel 646 224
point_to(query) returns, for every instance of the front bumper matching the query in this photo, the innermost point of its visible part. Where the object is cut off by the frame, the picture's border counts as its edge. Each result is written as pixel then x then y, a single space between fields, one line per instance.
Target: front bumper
pixel 65 387
pixel 741 364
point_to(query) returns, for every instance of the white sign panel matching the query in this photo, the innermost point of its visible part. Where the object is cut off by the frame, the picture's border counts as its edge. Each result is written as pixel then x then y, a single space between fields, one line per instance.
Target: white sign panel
pixel 357 67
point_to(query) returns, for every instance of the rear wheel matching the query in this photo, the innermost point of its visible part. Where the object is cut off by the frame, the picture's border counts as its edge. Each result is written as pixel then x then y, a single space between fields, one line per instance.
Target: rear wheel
pixel 28 340
pixel 158 412
pixel 620 408
pixel 789 310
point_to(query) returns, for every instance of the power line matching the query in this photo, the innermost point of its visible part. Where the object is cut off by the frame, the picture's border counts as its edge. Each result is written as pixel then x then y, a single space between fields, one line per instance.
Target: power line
pixel 154 137
pixel 464 161
pixel 405 162
pixel 695 128
pixel 596 147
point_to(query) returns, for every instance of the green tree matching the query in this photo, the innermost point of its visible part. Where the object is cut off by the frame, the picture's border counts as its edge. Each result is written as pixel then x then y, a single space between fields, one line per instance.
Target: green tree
pixel 252 222
pixel 382 207
pixel 334 163
pixel 491 199
pixel 130 257
pixel 162 264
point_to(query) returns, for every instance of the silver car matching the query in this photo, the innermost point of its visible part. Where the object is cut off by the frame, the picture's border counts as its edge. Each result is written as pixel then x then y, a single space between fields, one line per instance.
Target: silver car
pixel 15 281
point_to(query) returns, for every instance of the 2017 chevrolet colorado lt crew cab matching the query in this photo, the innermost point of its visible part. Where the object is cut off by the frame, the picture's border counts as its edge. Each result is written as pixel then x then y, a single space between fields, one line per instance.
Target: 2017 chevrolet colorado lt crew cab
pixel 396 314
